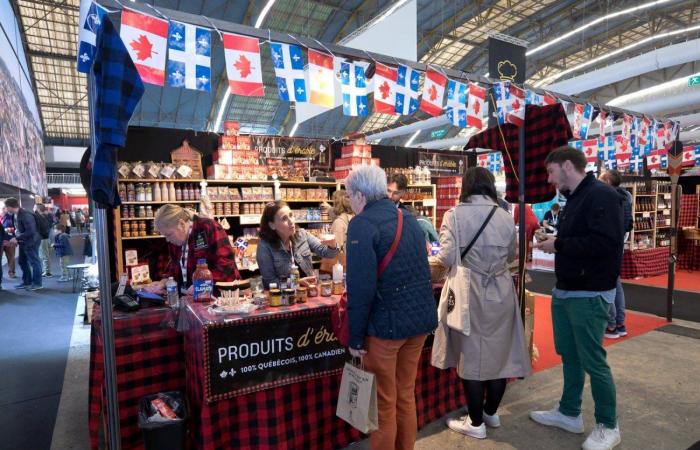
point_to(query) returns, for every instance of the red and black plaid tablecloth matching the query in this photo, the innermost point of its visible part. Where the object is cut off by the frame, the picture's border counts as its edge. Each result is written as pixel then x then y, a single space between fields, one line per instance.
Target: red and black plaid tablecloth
pixel 295 416
pixel 689 211
pixel 688 251
pixel 644 263
pixel 149 360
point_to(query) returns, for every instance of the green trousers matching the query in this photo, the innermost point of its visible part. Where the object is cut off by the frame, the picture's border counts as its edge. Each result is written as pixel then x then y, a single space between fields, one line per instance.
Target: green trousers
pixel 579 325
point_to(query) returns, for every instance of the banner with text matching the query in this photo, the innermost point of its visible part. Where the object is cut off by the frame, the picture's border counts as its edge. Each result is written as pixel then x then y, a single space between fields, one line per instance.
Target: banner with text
pixel 245 358
pixel 442 164
pixel 285 148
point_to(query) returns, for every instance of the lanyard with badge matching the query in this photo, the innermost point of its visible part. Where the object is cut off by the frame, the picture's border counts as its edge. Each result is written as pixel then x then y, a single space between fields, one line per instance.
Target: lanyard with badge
pixel 183 257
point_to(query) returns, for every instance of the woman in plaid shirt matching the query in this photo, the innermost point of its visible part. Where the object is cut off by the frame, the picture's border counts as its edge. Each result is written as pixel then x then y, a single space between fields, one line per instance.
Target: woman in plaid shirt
pixel 190 238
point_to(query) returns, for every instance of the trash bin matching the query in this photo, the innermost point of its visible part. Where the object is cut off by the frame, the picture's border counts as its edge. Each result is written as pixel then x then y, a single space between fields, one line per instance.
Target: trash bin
pixel 163 435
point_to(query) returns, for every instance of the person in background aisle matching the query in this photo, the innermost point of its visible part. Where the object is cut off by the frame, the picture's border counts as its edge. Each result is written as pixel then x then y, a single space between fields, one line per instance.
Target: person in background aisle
pixel 389 316
pixel 494 348
pixel 531 225
pixel 28 240
pixel 342 213
pixel 79 220
pixel 191 238
pixel 587 256
pixel 282 244
pixel 616 318
pixel 65 220
pixel 7 220
pixel 550 221
pixel 45 246
pixel 396 188
pixel 63 250
pixel 3 238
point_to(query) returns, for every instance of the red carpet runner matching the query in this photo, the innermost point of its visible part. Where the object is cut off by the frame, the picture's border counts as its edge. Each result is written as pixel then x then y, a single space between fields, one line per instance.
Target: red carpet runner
pixel 685 281
pixel 636 324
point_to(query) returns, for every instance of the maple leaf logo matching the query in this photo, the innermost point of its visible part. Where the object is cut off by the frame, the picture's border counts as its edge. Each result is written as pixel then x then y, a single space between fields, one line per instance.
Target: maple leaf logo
pixel 432 93
pixel 143 48
pixel 477 107
pixel 516 105
pixel 384 89
pixel 242 65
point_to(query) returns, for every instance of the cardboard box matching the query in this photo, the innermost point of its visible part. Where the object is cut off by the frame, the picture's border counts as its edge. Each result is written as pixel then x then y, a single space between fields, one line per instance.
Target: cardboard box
pixel 228 142
pixel 357 150
pixel 219 172
pixel 340 174
pixel 349 163
pixel 223 156
pixel 245 143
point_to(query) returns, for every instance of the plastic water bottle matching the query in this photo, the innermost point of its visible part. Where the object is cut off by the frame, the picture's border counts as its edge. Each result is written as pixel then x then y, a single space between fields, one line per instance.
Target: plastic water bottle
pixel 171 290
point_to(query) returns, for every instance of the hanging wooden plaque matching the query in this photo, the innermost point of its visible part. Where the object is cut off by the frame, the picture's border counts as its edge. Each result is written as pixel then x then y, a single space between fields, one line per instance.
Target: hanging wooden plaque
pixel 190 157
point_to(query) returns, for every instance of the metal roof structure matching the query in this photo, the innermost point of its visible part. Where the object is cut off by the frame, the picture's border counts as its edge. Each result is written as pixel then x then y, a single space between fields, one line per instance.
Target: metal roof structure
pixel 451 34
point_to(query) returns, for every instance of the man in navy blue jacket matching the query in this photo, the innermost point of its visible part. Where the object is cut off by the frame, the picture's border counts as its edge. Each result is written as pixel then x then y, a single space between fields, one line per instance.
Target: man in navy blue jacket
pixel 389 315
pixel 28 238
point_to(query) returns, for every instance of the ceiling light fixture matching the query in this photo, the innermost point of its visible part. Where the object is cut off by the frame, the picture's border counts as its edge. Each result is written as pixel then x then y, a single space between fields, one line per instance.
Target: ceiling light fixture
pixel 410 141
pixel 655 37
pixel 625 99
pixel 224 101
pixel 294 130
pixel 594 22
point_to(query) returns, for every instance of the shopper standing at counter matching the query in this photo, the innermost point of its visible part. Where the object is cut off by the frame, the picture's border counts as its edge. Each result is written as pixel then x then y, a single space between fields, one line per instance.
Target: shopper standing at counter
pixel 389 316
pixel 493 348
pixel 342 211
pixel 190 238
pixel 587 256
pixel 283 246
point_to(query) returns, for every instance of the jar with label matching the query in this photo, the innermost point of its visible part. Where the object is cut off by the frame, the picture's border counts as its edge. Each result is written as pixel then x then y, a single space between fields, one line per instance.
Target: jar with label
pixel 275 295
pixel 126 229
pixel 149 211
pixel 148 192
pixel 125 212
pixel 288 297
pixel 338 288
pixel 313 290
pixel 326 288
pixel 302 295
pixel 294 277
pixel 142 228
pixel 130 192
pixel 142 211
pixel 203 282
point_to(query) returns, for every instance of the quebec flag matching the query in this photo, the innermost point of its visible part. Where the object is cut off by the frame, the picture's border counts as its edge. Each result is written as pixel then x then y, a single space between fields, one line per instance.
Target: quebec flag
pixel 353 86
pixel 189 56
pixel 91 15
pixel 289 70
pixel 456 109
pixel 407 83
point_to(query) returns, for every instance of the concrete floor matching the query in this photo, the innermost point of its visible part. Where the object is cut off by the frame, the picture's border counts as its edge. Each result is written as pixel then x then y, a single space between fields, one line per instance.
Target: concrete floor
pixel 657 376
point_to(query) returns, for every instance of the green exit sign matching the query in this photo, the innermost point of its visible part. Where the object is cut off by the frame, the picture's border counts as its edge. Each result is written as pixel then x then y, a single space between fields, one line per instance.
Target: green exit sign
pixel 694 80
pixel 437 134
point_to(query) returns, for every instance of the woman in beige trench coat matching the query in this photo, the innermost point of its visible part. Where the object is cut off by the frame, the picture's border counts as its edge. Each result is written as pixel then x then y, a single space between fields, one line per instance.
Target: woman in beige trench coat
pixel 494 348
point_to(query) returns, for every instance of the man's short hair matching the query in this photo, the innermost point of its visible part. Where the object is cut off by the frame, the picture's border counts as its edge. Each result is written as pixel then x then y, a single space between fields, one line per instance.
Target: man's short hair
pixel 400 180
pixel 12 203
pixel 613 177
pixel 562 154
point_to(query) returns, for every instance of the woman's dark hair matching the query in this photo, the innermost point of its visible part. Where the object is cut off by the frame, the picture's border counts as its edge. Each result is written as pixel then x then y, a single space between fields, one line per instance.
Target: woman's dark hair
pixel 478 181
pixel 267 234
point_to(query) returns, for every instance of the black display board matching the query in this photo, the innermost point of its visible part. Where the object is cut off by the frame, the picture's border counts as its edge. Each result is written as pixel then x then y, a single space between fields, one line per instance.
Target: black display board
pixel 265 353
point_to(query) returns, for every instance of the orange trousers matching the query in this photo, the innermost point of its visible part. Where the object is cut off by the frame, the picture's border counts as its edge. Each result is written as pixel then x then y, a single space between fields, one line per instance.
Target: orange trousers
pixel 394 364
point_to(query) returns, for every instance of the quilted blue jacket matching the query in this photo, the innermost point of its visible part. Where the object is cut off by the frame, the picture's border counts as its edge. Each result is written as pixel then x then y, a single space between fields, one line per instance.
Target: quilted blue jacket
pixel 400 304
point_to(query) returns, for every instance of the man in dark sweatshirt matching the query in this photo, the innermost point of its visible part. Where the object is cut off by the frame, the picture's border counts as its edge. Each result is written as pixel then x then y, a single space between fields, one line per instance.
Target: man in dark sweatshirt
pixel 28 239
pixel 588 252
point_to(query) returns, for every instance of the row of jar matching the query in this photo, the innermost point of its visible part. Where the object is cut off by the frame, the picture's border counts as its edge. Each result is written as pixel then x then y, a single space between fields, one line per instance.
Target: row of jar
pixel 139 228
pixel 159 192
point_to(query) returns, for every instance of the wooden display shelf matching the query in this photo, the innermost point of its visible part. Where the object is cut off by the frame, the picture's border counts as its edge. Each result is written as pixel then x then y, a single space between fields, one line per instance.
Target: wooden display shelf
pixel 159 180
pixel 271 182
pixel 156 236
pixel 161 203
pixel 137 218
pixel 307 201
pixel 242 201
pixel 645 212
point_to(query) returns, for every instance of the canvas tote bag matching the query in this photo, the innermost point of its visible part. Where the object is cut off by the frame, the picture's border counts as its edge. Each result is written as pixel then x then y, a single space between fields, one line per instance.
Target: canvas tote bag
pixel 453 308
pixel 357 399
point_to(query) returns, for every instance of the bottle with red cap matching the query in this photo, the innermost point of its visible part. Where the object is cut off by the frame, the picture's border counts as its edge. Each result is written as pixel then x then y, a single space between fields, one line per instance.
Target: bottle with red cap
pixel 203 282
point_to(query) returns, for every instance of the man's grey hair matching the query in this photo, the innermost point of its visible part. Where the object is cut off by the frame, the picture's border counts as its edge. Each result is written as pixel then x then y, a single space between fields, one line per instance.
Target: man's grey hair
pixel 370 180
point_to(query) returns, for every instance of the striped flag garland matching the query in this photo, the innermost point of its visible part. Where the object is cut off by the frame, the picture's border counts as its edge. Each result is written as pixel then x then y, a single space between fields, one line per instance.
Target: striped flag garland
pixel 243 65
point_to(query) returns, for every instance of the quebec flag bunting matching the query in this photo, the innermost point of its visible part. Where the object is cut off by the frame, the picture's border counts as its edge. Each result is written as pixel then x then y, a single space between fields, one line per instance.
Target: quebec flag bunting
pixel 289 70
pixel 353 86
pixel 456 108
pixel 407 83
pixel 189 56
pixel 91 15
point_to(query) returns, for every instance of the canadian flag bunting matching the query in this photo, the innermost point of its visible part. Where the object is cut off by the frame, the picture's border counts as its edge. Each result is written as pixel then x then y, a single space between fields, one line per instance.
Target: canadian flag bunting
pixel 590 149
pixel 654 159
pixel 688 156
pixel 243 67
pixel 516 110
pixel 601 122
pixel 482 160
pixel 321 79
pixel 385 89
pixel 476 106
pixel 643 132
pixel 626 126
pixel 146 39
pixel 433 93
pixel 622 152
pixel 636 162
pixel 549 100
pixel 578 120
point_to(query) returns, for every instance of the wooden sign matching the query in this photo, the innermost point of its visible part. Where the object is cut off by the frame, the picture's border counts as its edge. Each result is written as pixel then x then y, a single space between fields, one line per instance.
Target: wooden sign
pixel 188 156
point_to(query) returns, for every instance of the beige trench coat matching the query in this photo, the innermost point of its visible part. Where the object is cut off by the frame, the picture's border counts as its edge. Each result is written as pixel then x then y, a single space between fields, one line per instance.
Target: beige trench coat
pixel 495 347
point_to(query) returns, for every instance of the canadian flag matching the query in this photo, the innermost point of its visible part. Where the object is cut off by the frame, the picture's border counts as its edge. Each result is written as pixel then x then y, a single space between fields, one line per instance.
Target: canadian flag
pixel 243 65
pixel 622 152
pixel 433 93
pixel 385 89
pixel 516 108
pixel 654 160
pixel 549 100
pixel 590 149
pixel 476 106
pixel 578 120
pixel 146 39
pixel 626 126
pixel 688 156
pixel 482 160
pixel 321 79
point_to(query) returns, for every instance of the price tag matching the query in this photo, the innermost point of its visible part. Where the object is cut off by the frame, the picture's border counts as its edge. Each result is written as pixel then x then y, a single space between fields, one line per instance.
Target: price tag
pixel 645 215
pixel 429 202
pixel 250 219
pixel 667 196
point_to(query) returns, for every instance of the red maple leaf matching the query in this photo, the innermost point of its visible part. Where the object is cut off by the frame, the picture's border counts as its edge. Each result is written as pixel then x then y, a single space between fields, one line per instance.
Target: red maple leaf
pixel 653 159
pixel 477 107
pixel 432 93
pixel 385 89
pixel 143 48
pixel 516 105
pixel 242 65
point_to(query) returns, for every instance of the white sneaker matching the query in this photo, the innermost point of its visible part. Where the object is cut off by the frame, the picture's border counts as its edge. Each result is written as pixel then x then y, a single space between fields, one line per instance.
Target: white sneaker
pixel 492 421
pixel 554 418
pixel 464 425
pixel 602 438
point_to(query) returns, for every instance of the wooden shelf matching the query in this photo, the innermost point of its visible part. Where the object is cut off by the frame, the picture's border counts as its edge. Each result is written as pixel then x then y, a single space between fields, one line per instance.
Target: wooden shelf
pixel 161 203
pixel 143 237
pixel 242 201
pixel 307 201
pixel 137 218
pixel 271 182
pixel 645 212
pixel 158 180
